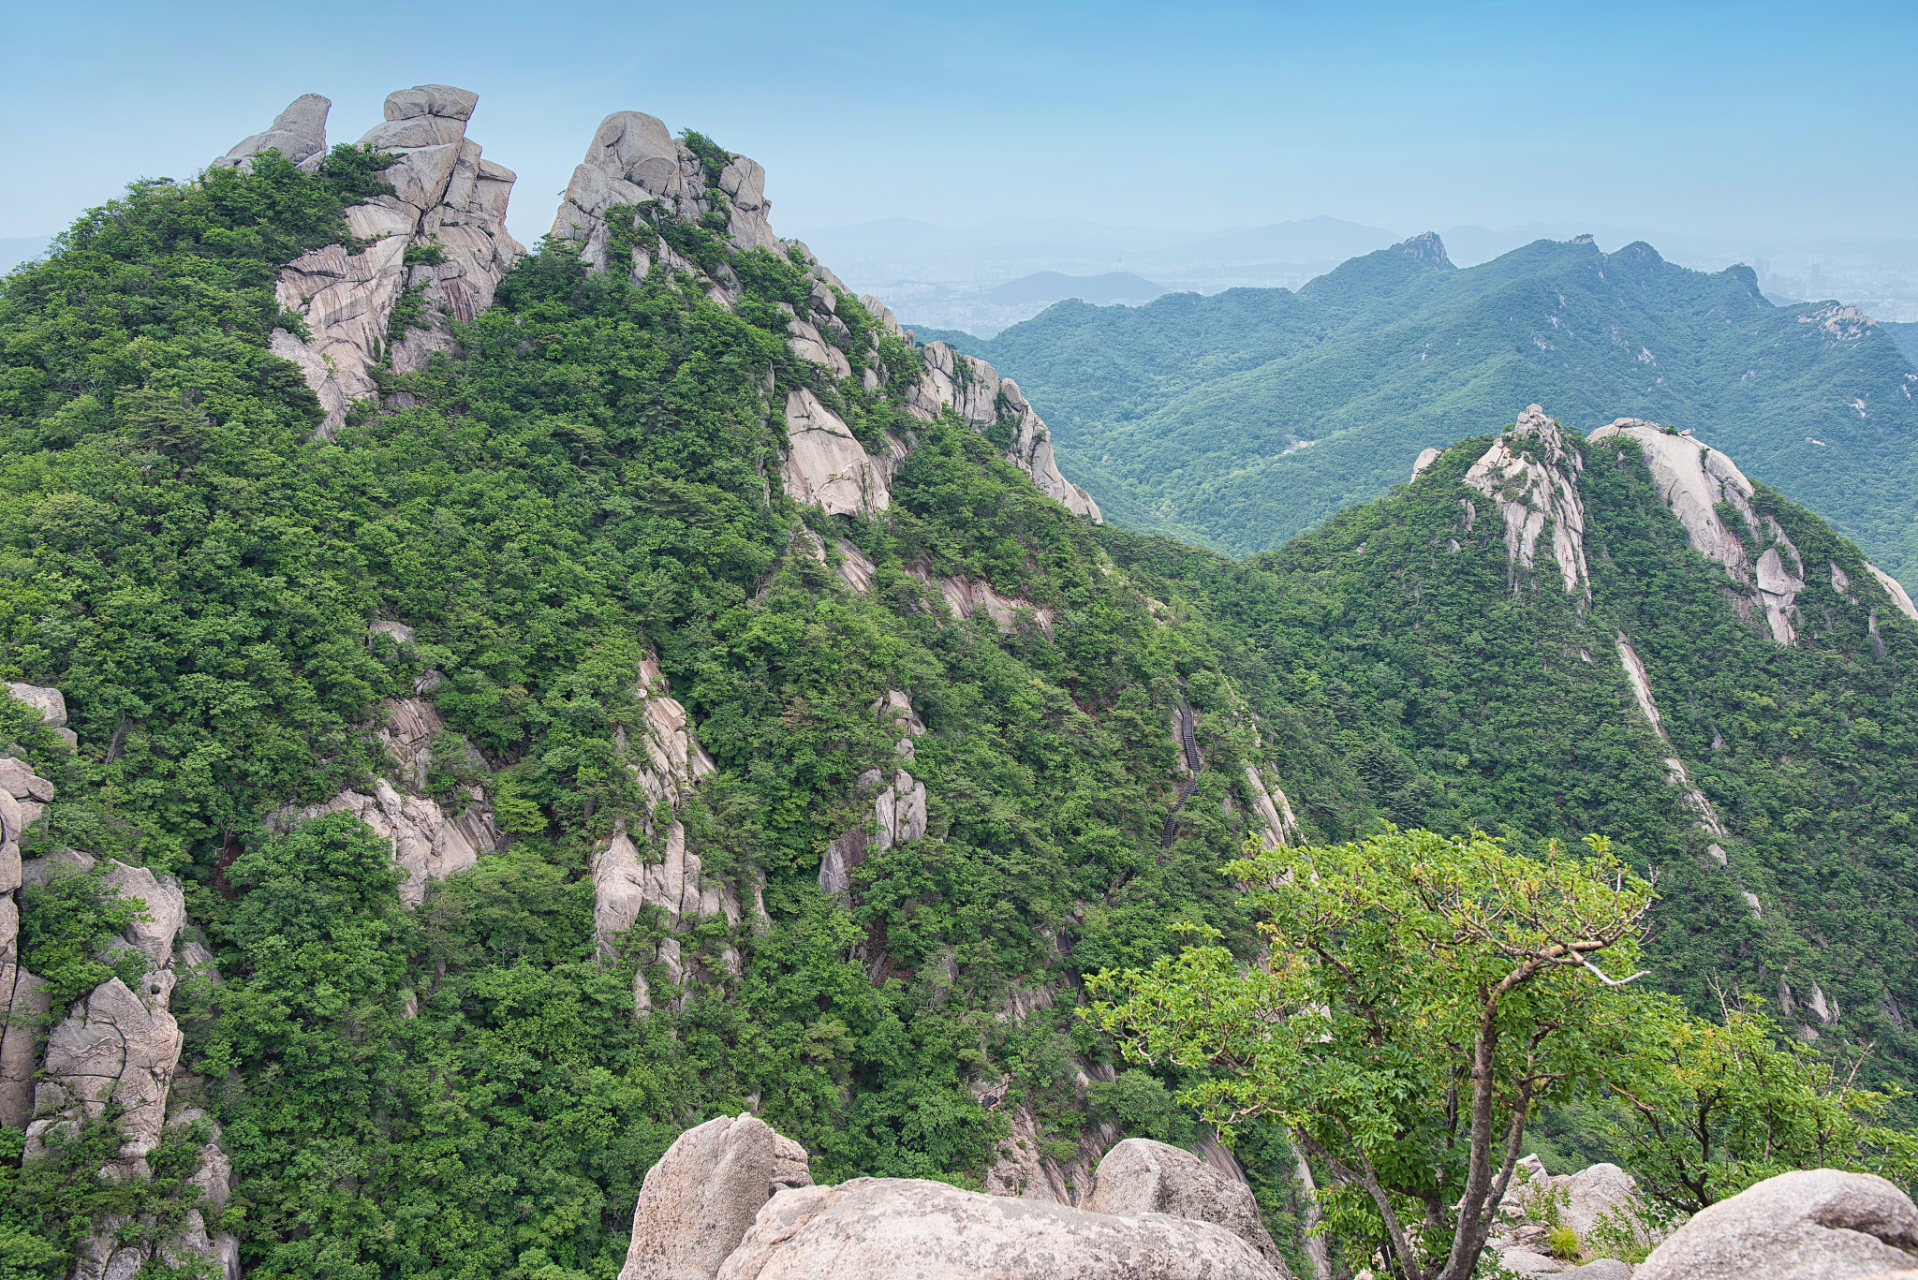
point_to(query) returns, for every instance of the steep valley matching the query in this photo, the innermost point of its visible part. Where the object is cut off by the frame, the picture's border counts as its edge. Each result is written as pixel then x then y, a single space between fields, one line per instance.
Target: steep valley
pixel 477 715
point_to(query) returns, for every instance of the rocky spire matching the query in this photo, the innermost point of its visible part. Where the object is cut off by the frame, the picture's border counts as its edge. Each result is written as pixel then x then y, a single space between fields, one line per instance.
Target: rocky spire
pixel 449 205
pixel 635 160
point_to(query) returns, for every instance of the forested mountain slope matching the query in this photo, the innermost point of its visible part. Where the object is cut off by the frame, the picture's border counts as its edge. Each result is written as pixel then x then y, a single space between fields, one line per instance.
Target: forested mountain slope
pixel 540 702
pixel 1244 419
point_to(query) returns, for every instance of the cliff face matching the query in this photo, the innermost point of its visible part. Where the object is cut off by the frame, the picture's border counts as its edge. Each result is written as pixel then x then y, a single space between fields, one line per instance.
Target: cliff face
pixel 117 1046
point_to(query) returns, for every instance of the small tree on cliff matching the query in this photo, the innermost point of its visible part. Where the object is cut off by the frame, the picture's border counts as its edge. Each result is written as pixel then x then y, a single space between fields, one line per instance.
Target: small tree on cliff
pixel 1418 998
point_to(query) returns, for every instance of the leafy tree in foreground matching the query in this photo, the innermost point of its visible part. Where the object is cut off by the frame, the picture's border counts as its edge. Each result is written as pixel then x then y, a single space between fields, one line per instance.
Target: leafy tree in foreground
pixel 1716 1108
pixel 1418 998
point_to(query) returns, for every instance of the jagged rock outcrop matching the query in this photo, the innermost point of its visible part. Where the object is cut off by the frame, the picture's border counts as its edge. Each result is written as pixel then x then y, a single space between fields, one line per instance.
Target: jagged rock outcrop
pixel 667 762
pixel 1427 248
pixel 1142 1176
pixel 1530 473
pixel 963 594
pixel 883 1228
pixel 1694 480
pixel 448 216
pixel 980 396
pixel 428 841
pixel 634 160
pixel 898 801
pixel 119 1044
pixel 1820 1225
pixel 297 133
pixel 699 1201
pixel 1425 459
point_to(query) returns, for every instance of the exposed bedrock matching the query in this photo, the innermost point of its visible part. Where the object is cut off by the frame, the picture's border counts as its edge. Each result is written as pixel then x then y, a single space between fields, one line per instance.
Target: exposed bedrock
pixel 448 215
pixel 1816 1225
pixel 732 1200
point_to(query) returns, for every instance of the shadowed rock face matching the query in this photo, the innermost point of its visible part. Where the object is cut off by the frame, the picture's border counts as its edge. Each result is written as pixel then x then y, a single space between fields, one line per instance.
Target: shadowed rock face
pixel 1816 1225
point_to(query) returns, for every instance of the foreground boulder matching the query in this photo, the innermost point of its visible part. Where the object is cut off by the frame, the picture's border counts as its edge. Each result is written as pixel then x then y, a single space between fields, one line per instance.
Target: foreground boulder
pixel 701 1197
pixel 1143 1176
pixel 732 1199
pixel 1816 1225
pixel 908 1229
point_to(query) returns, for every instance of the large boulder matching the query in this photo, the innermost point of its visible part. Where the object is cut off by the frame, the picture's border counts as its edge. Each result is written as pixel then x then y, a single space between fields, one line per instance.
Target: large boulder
pixel 1143 1176
pixel 908 1229
pixel 1594 1192
pixel 1816 1225
pixel 700 1199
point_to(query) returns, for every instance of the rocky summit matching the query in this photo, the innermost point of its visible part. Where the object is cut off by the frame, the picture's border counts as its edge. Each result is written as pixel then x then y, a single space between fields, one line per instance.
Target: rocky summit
pixel 618 758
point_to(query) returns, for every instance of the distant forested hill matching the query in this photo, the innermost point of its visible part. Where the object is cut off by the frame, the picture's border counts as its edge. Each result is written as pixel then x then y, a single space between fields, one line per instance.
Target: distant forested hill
pixel 1243 419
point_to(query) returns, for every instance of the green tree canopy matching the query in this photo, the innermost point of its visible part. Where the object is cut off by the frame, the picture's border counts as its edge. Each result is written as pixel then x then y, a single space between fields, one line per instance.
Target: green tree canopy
pixel 1416 999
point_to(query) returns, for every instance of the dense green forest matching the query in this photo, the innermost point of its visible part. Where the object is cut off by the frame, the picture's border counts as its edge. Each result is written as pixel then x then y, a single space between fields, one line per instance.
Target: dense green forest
pixel 1242 420
pixel 591 477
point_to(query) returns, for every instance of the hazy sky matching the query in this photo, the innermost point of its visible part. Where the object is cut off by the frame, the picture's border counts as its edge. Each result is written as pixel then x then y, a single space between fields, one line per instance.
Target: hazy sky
pixel 1750 119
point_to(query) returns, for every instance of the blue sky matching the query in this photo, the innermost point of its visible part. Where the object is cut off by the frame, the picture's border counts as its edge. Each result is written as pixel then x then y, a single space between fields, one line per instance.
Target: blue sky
pixel 1747 119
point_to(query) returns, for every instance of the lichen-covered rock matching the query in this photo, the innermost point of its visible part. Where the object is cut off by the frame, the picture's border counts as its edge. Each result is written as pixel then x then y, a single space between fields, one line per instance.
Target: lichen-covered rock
pixel 1816 1225
pixel 1143 1176
pixel 900 1228
pixel 1529 472
pixel 700 1199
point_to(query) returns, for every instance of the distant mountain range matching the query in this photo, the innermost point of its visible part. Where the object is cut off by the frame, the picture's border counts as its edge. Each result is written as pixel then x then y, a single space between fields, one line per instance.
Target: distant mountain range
pixel 938 276
pixel 1243 419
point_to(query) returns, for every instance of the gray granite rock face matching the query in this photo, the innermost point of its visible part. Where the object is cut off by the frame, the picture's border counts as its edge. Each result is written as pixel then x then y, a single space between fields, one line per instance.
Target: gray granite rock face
pixel 297 133
pixel 1816 1225
pixel 893 1228
pixel 1143 1176
pixel 700 1200
pixel 450 204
